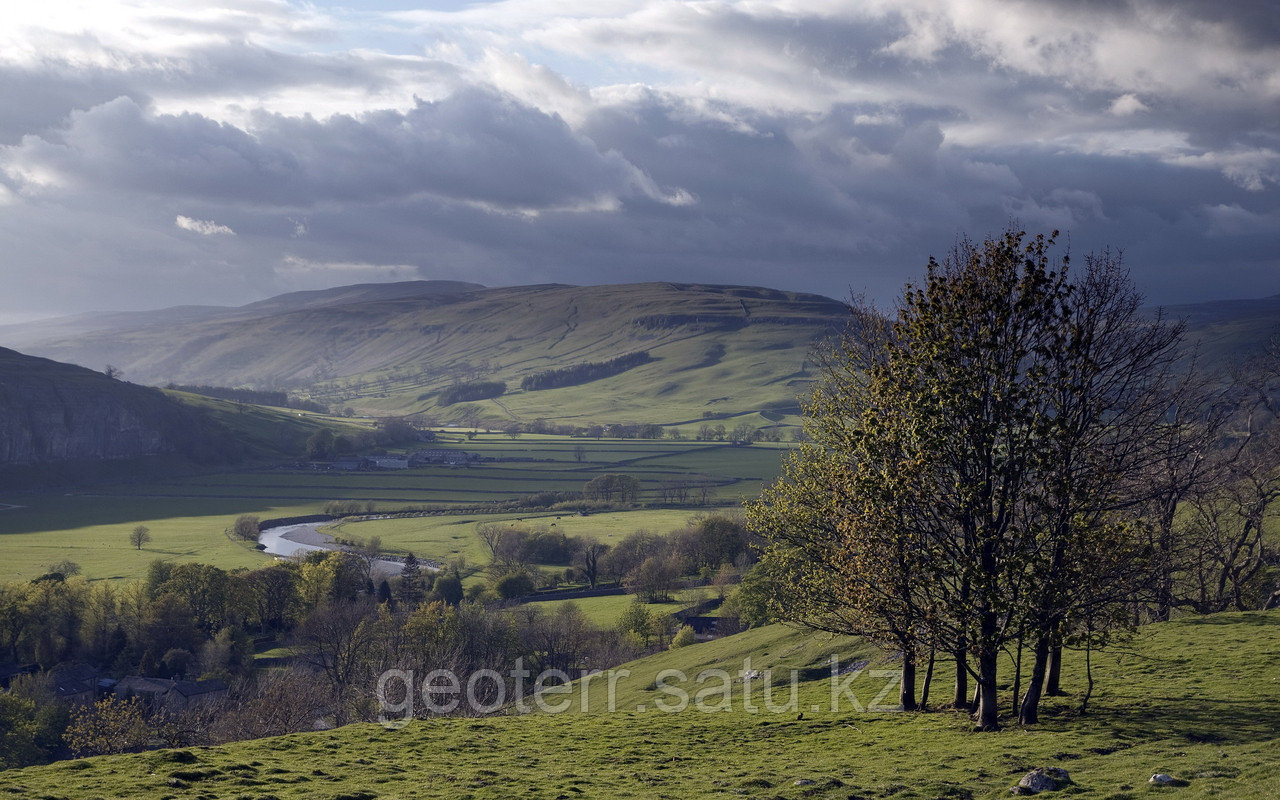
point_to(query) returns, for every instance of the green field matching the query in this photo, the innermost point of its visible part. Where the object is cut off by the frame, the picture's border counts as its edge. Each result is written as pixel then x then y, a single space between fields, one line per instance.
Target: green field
pixel 605 611
pixel 93 531
pixel 1198 699
pixel 188 513
pixel 447 537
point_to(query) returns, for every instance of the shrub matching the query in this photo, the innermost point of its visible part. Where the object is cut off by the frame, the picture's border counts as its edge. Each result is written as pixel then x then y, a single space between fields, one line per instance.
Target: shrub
pixel 683 638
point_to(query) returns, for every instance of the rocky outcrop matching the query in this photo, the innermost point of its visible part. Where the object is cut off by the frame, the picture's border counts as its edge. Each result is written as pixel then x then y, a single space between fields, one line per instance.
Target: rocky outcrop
pixel 51 411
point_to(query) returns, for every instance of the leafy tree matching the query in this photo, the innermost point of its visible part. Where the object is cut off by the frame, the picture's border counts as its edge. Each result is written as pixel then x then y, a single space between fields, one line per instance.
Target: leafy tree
pixel 19 733
pixel 111 725
pixel 513 585
pixel 683 638
pixel 448 588
pixel 968 459
pixel 320 445
pixel 139 536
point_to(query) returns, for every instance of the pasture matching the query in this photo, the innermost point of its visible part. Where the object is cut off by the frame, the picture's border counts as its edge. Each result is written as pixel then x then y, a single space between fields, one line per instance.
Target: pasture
pixel 187 514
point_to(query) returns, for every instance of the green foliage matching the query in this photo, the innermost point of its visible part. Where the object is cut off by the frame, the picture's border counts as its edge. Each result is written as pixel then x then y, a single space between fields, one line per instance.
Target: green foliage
pixel 19 733
pixel 683 638
pixel 108 726
pixel 513 585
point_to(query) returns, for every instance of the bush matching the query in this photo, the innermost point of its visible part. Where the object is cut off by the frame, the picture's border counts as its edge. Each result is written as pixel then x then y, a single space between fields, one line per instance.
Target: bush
pixel 517 584
pixel 683 638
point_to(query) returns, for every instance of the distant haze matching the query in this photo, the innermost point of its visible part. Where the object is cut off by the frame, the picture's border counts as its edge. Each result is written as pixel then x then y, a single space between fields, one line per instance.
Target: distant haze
pixel 157 153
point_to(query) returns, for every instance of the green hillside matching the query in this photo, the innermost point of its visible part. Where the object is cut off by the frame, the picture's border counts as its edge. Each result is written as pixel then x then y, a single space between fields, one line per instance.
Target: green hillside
pixel 1195 698
pixel 714 350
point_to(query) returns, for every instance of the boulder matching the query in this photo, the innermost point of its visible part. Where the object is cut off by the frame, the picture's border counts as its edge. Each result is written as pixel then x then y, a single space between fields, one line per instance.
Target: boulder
pixel 1043 779
pixel 1162 778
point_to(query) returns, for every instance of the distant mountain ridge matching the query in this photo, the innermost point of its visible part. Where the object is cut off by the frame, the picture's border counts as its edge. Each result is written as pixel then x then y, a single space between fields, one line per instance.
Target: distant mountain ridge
pixel 713 351
pixel 29 333
pixel 393 348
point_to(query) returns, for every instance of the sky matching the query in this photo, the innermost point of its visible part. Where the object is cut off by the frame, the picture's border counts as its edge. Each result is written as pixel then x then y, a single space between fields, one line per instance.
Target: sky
pixel 164 153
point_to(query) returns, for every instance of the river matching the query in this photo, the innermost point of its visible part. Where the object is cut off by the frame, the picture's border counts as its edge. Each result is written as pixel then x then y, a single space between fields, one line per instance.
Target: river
pixel 296 540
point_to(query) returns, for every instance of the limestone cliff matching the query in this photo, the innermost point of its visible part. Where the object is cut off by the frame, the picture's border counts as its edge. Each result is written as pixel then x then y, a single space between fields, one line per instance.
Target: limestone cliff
pixel 51 411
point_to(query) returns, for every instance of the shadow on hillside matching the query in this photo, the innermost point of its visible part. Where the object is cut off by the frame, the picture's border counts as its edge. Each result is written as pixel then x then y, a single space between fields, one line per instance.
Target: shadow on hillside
pixel 1236 618
pixel 1192 720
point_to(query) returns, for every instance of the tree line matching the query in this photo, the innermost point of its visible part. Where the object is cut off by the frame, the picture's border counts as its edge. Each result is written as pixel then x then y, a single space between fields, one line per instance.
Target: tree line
pixel 584 373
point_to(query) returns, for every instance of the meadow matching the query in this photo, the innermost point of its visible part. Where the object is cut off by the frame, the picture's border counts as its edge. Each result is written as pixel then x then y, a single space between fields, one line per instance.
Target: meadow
pixel 189 514
pixel 1195 698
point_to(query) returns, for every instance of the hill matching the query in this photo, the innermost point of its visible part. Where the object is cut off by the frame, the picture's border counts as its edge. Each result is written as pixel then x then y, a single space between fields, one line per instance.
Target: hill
pixel 63 425
pixel 708 350
pixel 60 412
pixel 1193 698
pixel 1228 329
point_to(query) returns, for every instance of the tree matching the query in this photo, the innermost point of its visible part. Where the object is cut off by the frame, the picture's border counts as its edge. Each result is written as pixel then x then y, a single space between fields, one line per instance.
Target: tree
pixel 412 588
pixel 587 558
pixel 683 638
pixel 247 526
pixel 336 639
pixel 111 725
pixel 653 579
pixel 514 585
pixel 607 487
pixel 139 536
pixel 320 444
pixel 972 459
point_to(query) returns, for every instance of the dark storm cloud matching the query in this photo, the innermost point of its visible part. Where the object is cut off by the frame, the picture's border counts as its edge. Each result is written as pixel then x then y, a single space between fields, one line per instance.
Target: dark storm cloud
pixel 820 146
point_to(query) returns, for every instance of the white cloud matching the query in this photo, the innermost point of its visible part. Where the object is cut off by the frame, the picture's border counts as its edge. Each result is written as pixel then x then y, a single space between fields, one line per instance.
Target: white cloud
pixel 202 226
pixel 1127 104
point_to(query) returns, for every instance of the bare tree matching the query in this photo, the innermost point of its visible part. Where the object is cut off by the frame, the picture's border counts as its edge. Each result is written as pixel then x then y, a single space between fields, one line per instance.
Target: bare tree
pixel 139 536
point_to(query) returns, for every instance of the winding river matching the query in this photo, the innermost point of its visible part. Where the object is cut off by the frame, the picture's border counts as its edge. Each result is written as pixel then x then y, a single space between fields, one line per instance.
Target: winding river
pixel 296 540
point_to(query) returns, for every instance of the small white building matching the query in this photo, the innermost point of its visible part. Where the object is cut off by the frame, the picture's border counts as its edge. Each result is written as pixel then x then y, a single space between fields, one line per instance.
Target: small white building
pixel 389 462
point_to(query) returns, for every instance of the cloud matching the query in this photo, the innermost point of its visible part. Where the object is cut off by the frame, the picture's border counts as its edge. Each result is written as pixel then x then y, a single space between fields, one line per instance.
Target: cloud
pixel 202 227
pixel 814 144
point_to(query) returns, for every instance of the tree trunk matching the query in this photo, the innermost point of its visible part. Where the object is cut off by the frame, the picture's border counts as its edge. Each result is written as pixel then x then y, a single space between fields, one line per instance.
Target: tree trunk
pixel 907 694
pixel 1017 671
pixel 1053 679
pixel 1088 674
pixel 961 697
pixel 928 680
pixel 1029 714
pixel 988 717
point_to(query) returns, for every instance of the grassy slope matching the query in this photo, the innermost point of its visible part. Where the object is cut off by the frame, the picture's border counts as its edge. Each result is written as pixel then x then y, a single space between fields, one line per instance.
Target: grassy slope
pixel 268 431
pixel 1199 699
pixel 735 350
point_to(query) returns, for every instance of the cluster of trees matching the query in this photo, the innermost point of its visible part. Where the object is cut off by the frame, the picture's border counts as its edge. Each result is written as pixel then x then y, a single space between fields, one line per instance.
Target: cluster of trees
pixel 649 565
pixel 611 487
pixel 470 392
pixel 740 434
pixel 1017 459
pixel 391 431
pixel 584 373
